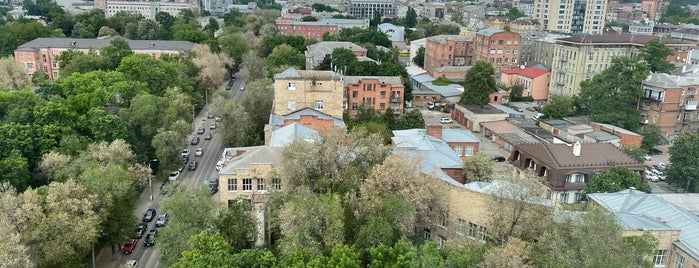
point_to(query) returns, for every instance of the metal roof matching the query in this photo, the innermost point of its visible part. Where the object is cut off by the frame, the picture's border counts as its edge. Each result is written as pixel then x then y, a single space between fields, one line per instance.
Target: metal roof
pixel 433 150
pixel 87 43
pixel 490 31
pixel 278 120
pixel 286 135
pixel 245 157
pixel 458 135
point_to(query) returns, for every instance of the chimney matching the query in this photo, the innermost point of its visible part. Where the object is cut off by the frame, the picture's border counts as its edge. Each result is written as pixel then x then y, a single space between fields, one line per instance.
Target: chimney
pixel 435 131
pixel 576 148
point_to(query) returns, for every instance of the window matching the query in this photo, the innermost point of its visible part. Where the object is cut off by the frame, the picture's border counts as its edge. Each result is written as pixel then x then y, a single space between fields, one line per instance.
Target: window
pixel 458 149
pixel 232 185
pixel 277 184
pixel 318 105
pixel 441 240
pixel 354 106
pixel 564 197
pixel 427 236
pixel 679 261
pixel 577 197
pixel 472 230
pixel 575 177
pixel 443 221
pixel 292 86
pixel 462 227
pixel 355 94
pixel 247 184
pixel 482 233
pixel 469 150
pixel 659 258
pixel 499 51
pixel 261 184
pixel 383 94
pixel 30 65
pixel 492 51
pixel 509 42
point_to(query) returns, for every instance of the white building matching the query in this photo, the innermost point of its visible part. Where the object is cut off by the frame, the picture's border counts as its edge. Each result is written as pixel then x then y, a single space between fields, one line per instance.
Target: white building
pixel 578 16
pixel 366 8
pixel 146 9
pixel 394 33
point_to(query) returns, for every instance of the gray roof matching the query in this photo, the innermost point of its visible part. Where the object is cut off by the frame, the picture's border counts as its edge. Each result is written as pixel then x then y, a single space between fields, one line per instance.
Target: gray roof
pixel 292 73
pixel 505 109
pixel 689 202
pixel 327 47
pixel 443 38
pixel 278 120
pixel 602 136
pixel 245 157
pixel 592 155
pixel 615 129
pixel 453 69
pixel 458 135
pixel 433 150
pixel 662 80
pixel 286 135
pixel 490 31
pixel 85 43
pixel 450 90
pixel 639 210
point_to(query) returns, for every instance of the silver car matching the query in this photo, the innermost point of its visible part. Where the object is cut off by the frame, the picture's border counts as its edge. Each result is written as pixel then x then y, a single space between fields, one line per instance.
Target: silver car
pixel 162 220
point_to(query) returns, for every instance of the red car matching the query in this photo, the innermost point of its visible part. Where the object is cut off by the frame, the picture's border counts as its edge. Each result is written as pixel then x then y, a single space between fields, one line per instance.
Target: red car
pixel 129 246
pixel 207 136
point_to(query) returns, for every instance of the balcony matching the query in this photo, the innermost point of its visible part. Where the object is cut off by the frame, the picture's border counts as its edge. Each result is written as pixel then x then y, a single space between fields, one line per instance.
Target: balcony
pixel 691 105
pixel 396 100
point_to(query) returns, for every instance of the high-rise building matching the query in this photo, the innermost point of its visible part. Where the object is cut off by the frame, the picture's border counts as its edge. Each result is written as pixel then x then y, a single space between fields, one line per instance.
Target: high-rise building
pixel 366 8
pixel 571 16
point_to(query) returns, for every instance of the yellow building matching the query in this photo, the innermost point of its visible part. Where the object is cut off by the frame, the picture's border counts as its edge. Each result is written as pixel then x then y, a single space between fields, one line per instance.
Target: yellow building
pixel 318 90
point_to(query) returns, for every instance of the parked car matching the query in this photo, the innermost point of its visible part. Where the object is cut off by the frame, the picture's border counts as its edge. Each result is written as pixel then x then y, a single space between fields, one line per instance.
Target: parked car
pixel 213 125
pixel 200 130
pixel 655 151
pixel 242 88
pixel 141 230
pixel 229 86
pixel 647 158
pixel 131 263
pixel 185 152
pixel 164 187
pixel 162 220
pixel 651 176
pixel 185 160
pixel 531 109
pixel 199 152
pixel 192 166
pixel 195 140
pixel 129 246
pixel 517 109
pixel 149 215
pixel 662 166
pixel 445 120
pixel 153 232
pixel 207 136
pixel 174 175
pixel 498 158
pixel 209 115
pixel 149 241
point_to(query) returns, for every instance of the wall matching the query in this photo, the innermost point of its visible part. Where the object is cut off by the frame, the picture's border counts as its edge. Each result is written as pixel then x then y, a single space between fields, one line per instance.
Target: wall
pixel 304 94
pixel 472 120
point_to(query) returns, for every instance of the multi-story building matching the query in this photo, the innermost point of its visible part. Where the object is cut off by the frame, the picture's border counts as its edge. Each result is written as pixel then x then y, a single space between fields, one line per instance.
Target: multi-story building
pixel 40 54
pixel 578 16
pixel 670 102
pixel 298 89
pixel 316 53
pixel 498 47
pixel 654 8
pixel 518 26
pixel 686 34
pixel 567 168
pixel 144 8
pixel 644 27
pixel 378 92
pixel 316 29
pixel 539 49
pixel 581 57
pixel 366 8
pixel 393 32
pixel 534 80
pixel 448 50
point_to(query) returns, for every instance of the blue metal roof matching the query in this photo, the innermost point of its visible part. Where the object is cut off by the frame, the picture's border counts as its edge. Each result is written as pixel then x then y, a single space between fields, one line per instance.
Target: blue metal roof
pixel 286 135
pixel 458 135
pixel 433 150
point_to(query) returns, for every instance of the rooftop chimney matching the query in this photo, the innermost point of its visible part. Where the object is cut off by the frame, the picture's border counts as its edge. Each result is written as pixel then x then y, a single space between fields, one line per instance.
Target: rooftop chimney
pixel 576 148
pixel 435 131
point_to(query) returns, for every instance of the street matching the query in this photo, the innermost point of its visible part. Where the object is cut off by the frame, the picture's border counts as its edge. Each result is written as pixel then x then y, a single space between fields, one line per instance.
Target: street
pixel 206 169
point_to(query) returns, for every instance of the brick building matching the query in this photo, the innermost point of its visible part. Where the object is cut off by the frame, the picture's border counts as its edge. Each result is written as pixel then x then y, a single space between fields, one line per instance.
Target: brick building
pixel 670 102
pixel 534 80
pixel 448 50
pixel 498 47
pixel 316 29
pixel 377 92
pixel 298 89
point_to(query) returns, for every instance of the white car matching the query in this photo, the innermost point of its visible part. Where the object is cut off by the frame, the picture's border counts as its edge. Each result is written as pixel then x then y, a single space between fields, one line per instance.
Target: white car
pixel 651 176
pixel 174 175
pixel 131 263
pixel 199 152
pixel 213 125
pixel 185 153
pixel 445 120
pixel 647 158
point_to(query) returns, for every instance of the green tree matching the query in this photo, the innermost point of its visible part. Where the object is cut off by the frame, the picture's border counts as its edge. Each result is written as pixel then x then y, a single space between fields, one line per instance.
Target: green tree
pixel 637 153
pixel 73 61
pixel 612 95
pixel 516 91
pixel 514 13
pixel 285 55
pixel 342 59
pixel 654 52
pixel 14 169
pixel 268 43
pixel 410 18
pixel 205 248
pixel 613 180
pixel 237 226
pixel 411 119
pixel 21 31
pixel 257 103
pixel 401 254
pixel 651 137
pixel 479 84
pixel 684 173
pixel 458 17
pixel 478 167
pixel 419 58
pixel 235 46
pixel 254 258
pixel 118 49
pixel 559 106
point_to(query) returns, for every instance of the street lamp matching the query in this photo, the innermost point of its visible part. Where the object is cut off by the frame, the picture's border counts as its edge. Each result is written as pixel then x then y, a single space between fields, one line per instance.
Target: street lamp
pixel 150 175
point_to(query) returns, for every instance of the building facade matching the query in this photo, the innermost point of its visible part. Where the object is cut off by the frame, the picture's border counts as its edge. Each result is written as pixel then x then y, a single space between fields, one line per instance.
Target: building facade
pixel 578 16
pixel 319 90
pixel 448 50
pixel 378 92
pixel 316 29
pixel 40 54
pixel 534 80
pixel 654 8
pixel 393 32
pixel 498 47
pixel 366 8
pixel 146 9
pixel 670 102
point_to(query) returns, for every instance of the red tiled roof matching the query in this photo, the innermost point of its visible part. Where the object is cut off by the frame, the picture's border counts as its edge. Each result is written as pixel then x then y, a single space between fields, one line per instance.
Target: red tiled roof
pixel 531 72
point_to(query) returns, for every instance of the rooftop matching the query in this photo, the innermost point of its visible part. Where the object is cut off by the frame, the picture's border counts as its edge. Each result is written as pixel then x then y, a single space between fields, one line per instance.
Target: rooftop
pixel 292 73
pixel 86 43
pixel 483 109
pixel 443 38
pixel 618 39
pixel 234 159
pixel 278 120
pixel 490 31
pixel 434 151
pixel 286 135
pixel 560 156
pixel 531 72
pixel 395 81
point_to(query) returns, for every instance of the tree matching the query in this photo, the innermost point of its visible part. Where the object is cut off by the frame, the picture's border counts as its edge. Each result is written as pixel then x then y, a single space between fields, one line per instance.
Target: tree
pixel 208 248
pixel 683 172
pixel 410 18
pixel 255 67
pixel 515 13
pixel 516 91
pixel 236 225
pixel 612 95
pixel 514 254
pixel 118 49
pixel 212 67
pixel 15 169
pixel 478 167
pixel 12 74
pixel 411 119
pixel 401 254
pixel 559 106
pixel 270 42
pixel 342 59
pixel 654 52
pixel 285 55
pixel 637 153
pixel 479 84
pixel 21 31
pixel 257 103
pixel 615 179
pixel 235 46
pixel 458 17
pixel 419 58
pixel 13 252
pixel 651 137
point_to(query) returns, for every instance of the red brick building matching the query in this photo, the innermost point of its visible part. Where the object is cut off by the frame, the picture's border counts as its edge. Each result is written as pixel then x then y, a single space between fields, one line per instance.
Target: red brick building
pixel 378 92
pixel 448 50
pixel 670 102
pixel 498 47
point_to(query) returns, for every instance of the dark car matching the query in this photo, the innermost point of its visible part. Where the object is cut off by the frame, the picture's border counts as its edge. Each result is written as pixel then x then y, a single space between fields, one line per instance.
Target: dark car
pixel 192 166
pixel 140 230
pixel 149 241
pixel 195 140
pixel 153 232
pixel 200 130
pixel 207 136
pixel 150 214
pixel 129 246
pixel 655 151
pixel 229 86
pixel 498 158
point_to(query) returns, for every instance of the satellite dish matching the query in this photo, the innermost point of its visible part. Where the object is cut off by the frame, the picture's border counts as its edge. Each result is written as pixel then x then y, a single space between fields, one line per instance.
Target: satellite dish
pixel 521 67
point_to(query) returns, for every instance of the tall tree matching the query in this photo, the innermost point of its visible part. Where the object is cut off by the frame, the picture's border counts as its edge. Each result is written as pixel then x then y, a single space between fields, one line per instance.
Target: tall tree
pixel 285 55
pixel 559 106
pixel 684 173
pixel 118 49
pixel 479 84
pixel 654 52
pixel 235 46
pixel 208 248
pixel 478 167
pixel 651 137
pixel 615 179
pixel 410 18
pixel 212 67
pixel 237 226
pixel 12 74
pixel 419 58
pixel 514 254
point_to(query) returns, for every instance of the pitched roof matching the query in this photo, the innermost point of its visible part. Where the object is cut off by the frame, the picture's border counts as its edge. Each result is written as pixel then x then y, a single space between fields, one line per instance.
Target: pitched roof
pixel 327 47
pixel 283 136
pixel 662 80
pixel 618 39
pixel 490 31
pixel 531 72
pixel 638 210
pixel 458 135
pixel 235 159
pixel 87 43
pixel 278 120
pixel 560 156
pixel 433 150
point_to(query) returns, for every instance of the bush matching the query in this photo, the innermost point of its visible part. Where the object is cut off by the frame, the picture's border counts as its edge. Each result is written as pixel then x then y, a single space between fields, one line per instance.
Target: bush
pixel 522 99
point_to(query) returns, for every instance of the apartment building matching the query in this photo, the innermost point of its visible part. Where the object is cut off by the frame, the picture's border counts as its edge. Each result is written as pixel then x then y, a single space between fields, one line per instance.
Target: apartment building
pixel 316 29
pixel 534 80
pixel 670 102
pixel 578 58
pixel 448 50
pixel 40 54
pixel 366 8
pixel 498 47
pixel 144 8
pixel 576 16
pixel 297 89
pixel 378 92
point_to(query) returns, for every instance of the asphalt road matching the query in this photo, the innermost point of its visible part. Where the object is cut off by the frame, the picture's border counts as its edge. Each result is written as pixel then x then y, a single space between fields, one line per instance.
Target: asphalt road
pixel 206 169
